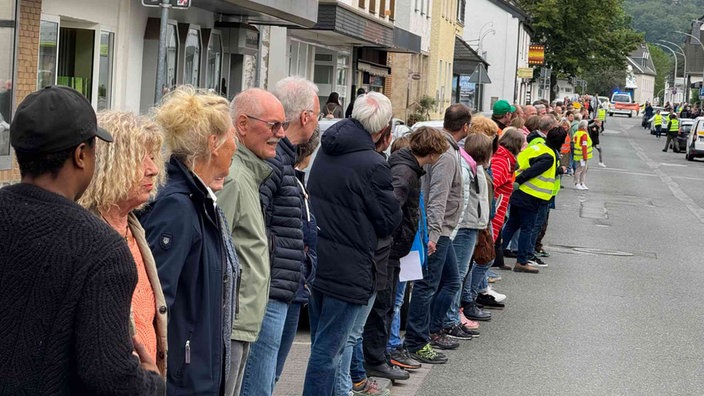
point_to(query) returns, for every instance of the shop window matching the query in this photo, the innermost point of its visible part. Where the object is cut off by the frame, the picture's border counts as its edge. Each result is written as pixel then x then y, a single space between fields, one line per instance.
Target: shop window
pixel 107 50
pixel 171 57
pixel 214 63
pixel 191 67
pixel 48 53
pixel 7 67
pixel 76 54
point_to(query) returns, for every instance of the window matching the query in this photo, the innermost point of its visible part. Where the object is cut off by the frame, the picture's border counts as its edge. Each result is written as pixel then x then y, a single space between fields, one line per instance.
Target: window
pixel 171 56
pixel 372 6
pixel 107 49
pixel 7 71
pixel 214 65
pixel 76 56
pixel 392 10
pixel 191 69
pixel 48 53
pixel 461 7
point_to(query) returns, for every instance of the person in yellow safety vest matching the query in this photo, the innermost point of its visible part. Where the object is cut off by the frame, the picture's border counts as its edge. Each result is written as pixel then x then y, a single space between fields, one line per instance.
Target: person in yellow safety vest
pixel 601 114
pixel 533 188
pixel 554 139
pixel 673 128
pixel 582 152
pixel 657 123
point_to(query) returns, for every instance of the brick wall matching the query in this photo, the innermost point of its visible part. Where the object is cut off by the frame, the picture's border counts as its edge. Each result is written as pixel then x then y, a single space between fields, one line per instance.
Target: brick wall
pixel 26 64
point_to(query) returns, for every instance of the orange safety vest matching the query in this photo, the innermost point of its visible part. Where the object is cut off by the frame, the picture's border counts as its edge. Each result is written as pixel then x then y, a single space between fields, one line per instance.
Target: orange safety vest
pixel 567 145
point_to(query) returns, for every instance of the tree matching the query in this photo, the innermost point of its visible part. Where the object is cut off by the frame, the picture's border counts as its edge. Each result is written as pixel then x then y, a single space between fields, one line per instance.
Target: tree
pixel 582 35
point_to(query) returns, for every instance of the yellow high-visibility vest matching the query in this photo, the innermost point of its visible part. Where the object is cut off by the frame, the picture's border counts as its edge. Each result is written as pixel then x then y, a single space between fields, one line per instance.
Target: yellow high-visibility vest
pixel 543 185
pixel 577 149
pixel 601 114
pixel 674 125
pixel 657 120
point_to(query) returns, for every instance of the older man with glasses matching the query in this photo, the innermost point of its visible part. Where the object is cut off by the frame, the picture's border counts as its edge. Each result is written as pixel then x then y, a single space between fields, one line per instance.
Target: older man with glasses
pixel 259 121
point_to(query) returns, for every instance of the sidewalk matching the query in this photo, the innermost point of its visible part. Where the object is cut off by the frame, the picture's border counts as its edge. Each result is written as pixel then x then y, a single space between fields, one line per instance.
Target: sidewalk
pixel 291 382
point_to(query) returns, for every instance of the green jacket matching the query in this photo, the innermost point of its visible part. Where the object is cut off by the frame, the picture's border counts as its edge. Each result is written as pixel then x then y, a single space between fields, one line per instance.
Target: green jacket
pixel 239 200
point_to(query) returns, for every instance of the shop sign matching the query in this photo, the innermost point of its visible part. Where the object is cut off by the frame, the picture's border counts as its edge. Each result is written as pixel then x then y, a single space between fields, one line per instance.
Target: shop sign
pixel 525 72
pixel 180 4
pixel 536 54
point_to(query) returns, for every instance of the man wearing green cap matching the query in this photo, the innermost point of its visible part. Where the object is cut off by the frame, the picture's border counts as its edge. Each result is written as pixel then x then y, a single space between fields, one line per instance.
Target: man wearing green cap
pixel 502 113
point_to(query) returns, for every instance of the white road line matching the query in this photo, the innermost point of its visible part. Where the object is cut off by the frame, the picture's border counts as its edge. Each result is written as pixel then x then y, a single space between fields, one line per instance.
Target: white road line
pixel 696 210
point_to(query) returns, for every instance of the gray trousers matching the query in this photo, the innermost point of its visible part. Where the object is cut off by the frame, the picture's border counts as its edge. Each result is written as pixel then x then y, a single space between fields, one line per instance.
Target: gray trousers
pixel 238 361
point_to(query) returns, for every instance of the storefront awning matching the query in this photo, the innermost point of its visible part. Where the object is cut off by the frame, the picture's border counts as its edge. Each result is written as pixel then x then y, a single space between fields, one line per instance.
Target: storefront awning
pixel 299 13
pixel 374 69
pixel 466 58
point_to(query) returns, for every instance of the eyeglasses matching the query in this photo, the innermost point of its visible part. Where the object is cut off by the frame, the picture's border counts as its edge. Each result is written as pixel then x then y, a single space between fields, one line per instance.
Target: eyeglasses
pixel 273 125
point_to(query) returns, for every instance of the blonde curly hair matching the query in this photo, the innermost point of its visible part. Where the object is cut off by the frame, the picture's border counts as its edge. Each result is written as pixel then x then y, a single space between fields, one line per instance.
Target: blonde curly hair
pixel 484 125
pixel 188 117
pixel 118 165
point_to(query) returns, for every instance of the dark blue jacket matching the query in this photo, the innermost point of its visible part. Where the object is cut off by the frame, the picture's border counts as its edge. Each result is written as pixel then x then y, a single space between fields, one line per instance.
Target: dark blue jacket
pixel 310 241
pixel 282 199
pixel 354 203
pixel 182 230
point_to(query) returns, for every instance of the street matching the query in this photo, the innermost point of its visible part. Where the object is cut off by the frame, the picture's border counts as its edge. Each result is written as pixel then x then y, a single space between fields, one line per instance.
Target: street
pixel 616 312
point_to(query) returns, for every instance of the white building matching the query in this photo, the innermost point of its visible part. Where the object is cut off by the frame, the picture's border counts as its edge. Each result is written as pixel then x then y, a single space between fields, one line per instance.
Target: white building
pixel 641 78
pixel 498 30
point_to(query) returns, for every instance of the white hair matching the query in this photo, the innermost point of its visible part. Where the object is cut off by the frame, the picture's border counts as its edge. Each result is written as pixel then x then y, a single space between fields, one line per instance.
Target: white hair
pixel 373 111
pixel 583 125
pixel 296 94
pixel 578 116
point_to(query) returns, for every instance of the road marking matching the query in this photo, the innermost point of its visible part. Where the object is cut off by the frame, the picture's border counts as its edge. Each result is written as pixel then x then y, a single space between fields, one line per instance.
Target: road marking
pixel 696 210
pixel 666 164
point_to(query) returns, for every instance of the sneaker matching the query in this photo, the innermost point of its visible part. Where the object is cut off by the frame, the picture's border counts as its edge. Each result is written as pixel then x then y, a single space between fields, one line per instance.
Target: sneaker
pixel 472 332
pixel 601 164
pixel 584 187
pixel 524 268
pixel 388 371
pixel 457 332
pixel 493 279
pixel 497 296
pixel 428 355
pixel 369 387
pixel 467 323
pixel 537 262
pixel 509 253
pixel 442 341
pixel 487 301
pixel 401 358
pixel 578 187
pixel 542 253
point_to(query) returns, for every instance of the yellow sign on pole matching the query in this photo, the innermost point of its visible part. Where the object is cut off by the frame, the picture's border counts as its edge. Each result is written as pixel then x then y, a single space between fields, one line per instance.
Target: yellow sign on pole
pixel 525 72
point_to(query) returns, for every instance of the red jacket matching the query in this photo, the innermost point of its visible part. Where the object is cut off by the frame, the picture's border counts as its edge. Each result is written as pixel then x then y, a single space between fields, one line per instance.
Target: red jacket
pixel 503 164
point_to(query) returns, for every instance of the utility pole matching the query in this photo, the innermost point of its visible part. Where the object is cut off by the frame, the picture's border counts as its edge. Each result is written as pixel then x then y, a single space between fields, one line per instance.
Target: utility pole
pixel 161 62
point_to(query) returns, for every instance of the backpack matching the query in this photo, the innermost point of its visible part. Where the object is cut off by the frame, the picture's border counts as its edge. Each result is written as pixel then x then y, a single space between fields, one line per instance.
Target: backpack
pixel 328 112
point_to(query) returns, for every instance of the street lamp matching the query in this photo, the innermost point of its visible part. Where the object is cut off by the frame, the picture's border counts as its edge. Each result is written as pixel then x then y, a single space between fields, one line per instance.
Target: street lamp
pixel 684 74
pixel 675 55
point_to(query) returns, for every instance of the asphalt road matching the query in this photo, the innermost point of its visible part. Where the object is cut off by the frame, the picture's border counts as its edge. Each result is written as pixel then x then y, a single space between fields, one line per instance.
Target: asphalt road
pixel 619 309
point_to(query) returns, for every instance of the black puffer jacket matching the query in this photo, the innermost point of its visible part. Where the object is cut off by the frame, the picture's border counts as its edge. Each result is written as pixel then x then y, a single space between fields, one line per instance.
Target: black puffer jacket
pixel 282 200
pixel 406 173
pixel 353 201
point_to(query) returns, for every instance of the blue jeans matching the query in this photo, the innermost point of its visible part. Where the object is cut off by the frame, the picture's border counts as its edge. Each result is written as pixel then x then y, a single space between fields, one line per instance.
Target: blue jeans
pixel 540 218
pixel 260 371
pixel 476 282
pixel 395 340
pixel 352 359
pixel 520 219
pixel 331 321
pixel 432 295
pixel 463 244
pixel 289 333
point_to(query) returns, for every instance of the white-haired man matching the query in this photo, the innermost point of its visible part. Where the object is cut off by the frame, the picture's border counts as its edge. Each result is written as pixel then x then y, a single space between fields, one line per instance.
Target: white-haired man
pixel 354 204
pixel 282 204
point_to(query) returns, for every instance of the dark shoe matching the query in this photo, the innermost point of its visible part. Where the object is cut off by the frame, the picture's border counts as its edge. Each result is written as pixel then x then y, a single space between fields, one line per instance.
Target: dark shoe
pixel 509 253
pixel 428 355
pixel 488 301
pixel 473 333
pixel 542 253
pixel 441 341
pixel 536 262
pixel 525 268
pixel 664 151
pixel 473 312
pixel 401 358
pixel 386 370
pixel 458 333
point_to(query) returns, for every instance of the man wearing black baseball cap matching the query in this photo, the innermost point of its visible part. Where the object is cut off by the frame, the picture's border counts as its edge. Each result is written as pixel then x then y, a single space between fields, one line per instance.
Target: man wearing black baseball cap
pixel 67 276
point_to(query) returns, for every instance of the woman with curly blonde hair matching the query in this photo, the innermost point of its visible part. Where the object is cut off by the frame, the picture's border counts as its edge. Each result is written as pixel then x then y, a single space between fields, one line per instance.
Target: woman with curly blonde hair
pixel 191 241
pixel 127 174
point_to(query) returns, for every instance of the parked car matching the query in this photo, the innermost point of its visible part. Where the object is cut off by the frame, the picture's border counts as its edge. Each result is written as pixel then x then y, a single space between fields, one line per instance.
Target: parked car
pixel 695 141
pixel 680 144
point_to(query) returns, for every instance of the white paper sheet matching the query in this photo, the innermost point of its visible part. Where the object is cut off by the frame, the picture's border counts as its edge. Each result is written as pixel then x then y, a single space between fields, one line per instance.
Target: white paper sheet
pixel 410 267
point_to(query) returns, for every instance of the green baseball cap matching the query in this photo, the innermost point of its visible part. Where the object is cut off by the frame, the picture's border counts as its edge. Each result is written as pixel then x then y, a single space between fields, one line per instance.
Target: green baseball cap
pixel 502 107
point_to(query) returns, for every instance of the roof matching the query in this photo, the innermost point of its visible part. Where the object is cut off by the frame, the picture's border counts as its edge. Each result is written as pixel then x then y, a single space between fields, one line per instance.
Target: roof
pixel 641 61
pixel 466 58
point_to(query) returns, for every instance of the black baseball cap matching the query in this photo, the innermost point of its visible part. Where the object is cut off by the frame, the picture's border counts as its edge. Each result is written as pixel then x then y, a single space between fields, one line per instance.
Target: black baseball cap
pixel 52 119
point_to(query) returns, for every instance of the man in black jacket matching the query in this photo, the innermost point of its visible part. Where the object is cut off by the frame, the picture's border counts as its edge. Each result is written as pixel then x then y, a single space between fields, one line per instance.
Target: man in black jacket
pixel 67 276
pixel 282 201
pixel 353 201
